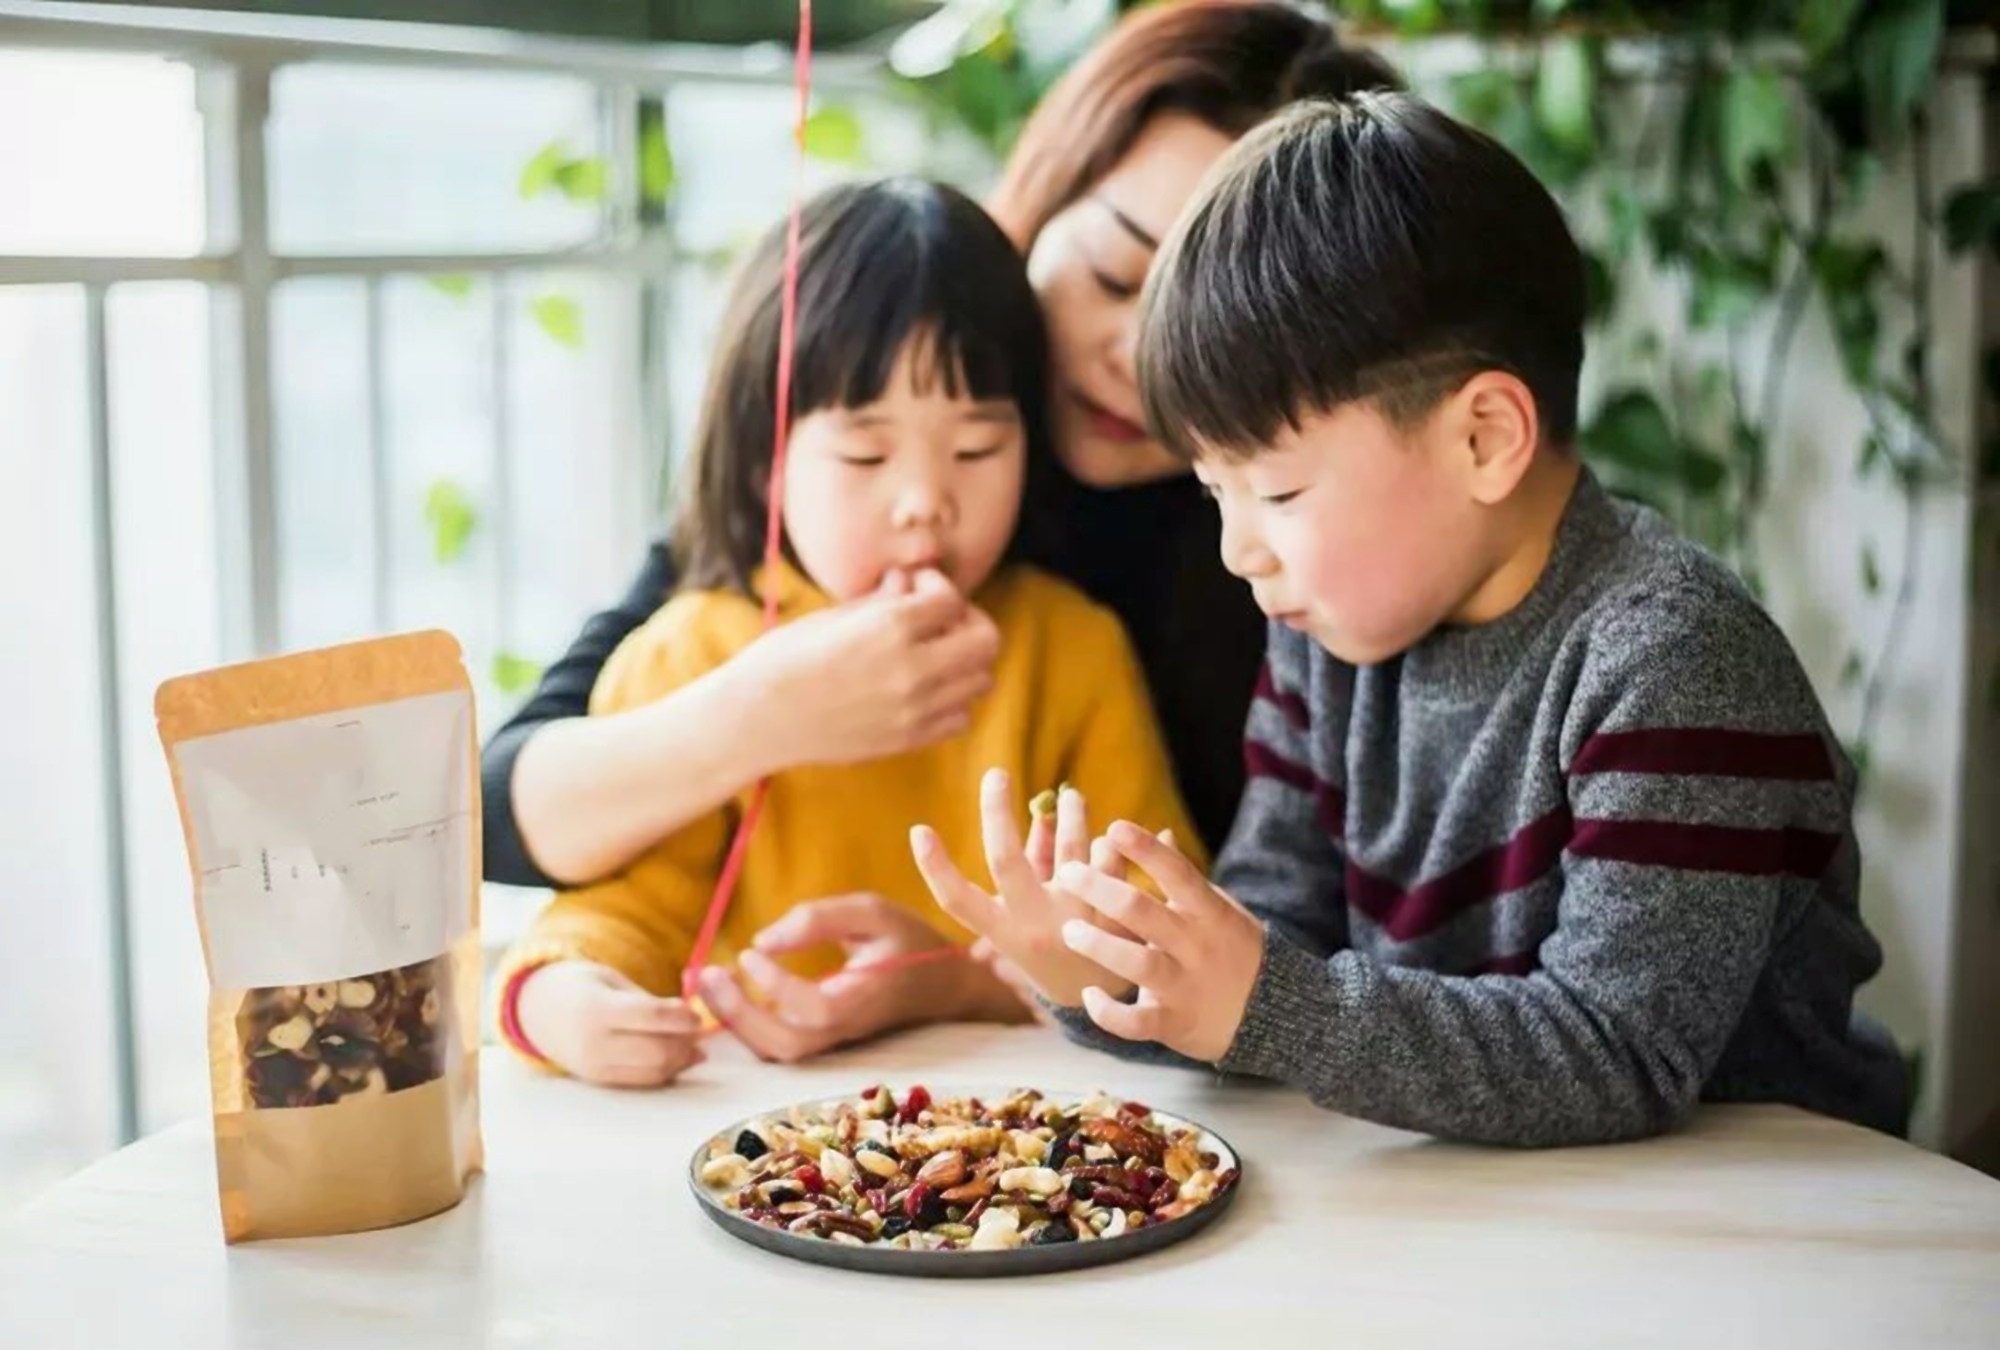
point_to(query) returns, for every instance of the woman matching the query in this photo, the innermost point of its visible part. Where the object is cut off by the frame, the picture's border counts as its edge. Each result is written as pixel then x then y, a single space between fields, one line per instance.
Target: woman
pixel 1097 178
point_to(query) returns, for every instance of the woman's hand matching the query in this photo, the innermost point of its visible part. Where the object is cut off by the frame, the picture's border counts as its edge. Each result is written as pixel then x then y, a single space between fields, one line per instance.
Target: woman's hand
pixel 808 1017
pixel 594 1024
pixel 890 672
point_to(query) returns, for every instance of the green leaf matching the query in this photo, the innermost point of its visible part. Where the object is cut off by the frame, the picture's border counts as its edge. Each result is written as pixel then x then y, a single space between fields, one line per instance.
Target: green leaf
pixel 582 180
pixel 1873 455
pixel 1896 53
pixel 1600 287
pixel 1631 431
pixel 1484 97
pixel 1972 217
pixel 540 174
pixel 1415 16
pixel 1852 670
pixel 1755 125
pixel 1625 220
pixel 1547 10
pixel 1727 290
pixel 656 161
pixel 452 518
pixel 455 285
pixel 1871 571
pixel 514 674
pixel 560 317
pixel 1823 26
pixel 1847 273
pixel 1565 90
pixel 1858 756
pixel 833 134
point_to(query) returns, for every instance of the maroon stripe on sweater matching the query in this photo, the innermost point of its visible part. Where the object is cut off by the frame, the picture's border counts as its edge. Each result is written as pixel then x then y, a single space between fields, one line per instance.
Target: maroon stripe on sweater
pixel 1706 750
pixel 1328 801
pixel 1291 705
pixel 1261 761
pixel 1707 848
pixel 1530 855
pixel 1520 963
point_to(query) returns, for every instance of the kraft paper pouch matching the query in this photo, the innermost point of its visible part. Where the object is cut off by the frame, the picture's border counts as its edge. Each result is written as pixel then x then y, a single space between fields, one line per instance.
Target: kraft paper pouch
pixel 330 802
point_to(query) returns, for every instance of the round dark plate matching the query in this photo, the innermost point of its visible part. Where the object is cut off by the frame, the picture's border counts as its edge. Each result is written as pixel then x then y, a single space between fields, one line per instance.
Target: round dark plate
pixel 885 1260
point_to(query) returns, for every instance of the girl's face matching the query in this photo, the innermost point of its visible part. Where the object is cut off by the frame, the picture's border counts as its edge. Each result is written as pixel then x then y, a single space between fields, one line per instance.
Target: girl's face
pixel 1087 266
pixel 916 479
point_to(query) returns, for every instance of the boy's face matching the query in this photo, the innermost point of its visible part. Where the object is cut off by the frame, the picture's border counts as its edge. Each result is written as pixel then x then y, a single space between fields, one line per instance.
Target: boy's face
pixel 1364 536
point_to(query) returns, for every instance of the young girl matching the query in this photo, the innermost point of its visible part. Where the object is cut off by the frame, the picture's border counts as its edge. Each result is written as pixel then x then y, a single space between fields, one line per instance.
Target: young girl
pixel 919 411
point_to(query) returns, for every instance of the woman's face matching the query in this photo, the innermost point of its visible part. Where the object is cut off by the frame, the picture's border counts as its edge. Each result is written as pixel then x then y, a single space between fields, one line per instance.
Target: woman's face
pixel 1087 265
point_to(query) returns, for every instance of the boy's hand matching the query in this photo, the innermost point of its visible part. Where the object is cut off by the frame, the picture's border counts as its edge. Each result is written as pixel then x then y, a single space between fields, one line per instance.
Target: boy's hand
pixel 1023 923
pixel 594 1024
pixel 1194 959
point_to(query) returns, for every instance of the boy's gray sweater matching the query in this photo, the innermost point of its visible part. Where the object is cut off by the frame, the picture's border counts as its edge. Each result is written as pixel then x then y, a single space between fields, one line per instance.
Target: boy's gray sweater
pixel 1555 878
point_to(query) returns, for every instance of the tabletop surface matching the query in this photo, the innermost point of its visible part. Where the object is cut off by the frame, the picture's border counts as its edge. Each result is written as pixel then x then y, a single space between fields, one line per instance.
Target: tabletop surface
pixel 1756 1226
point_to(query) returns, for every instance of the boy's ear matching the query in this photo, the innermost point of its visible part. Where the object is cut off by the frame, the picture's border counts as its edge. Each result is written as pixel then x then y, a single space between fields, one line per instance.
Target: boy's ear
pixel 1500 427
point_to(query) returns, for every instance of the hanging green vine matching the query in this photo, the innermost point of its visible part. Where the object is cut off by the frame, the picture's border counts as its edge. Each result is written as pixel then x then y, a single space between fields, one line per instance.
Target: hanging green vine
pixel 1760 130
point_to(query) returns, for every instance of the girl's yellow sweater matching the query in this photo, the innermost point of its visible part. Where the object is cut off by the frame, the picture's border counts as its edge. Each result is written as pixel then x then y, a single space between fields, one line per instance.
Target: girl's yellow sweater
pixel 1069 704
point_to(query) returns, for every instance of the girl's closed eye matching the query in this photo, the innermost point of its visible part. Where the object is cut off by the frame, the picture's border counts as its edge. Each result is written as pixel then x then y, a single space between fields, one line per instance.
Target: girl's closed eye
pixel 864 460
pixel 1280 498
pixel 972 453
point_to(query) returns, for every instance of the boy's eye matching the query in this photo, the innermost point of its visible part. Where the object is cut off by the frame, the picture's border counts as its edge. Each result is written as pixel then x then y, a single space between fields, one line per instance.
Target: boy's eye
pixel 1112 286
pixel 984 452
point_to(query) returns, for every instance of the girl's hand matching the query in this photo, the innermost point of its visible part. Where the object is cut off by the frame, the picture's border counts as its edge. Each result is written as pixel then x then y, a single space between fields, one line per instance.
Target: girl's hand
pixel 594 1024
pixel 874 677
pixel 808 1017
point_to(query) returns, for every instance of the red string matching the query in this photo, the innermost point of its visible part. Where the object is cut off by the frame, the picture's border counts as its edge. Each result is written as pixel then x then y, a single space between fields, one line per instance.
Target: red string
pixel 732 867
pixel 739 847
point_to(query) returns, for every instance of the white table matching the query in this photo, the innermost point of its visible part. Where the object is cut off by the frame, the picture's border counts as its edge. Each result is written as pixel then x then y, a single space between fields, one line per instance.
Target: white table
pixel 1759 1226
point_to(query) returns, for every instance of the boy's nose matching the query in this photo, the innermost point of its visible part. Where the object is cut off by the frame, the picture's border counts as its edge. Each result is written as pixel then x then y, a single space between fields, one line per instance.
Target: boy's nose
pixel 1243 554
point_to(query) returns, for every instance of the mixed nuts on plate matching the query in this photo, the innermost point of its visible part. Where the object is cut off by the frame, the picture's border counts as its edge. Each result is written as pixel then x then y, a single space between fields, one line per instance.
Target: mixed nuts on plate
pixel 317 1044
pixel 961 1174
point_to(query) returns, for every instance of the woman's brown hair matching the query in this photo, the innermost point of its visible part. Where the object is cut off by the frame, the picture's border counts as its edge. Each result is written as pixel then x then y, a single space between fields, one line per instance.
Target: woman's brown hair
pixel 1230 63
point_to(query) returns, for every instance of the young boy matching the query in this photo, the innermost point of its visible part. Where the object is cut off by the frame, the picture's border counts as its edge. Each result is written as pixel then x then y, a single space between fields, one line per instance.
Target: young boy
pixel 1546 837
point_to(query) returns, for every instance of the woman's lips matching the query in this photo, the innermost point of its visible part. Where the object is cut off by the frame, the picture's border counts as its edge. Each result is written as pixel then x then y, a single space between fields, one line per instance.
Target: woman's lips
pixel 1109 424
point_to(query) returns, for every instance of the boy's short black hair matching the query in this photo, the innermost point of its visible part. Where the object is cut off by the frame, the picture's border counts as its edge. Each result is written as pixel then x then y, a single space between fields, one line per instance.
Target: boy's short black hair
pixel 1366 248
pixel 881 264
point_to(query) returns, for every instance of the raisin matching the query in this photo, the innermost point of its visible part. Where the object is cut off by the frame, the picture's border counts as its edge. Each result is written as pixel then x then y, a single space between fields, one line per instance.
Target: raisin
pixel 895 1226
pixel 1056 1230
pixel 750 1146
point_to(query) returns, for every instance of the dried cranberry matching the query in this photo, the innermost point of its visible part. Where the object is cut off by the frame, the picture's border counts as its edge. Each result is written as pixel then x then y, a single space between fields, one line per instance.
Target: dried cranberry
pixel 1134 1110
pixel 810 1178
pixel 868 1093
pixel 1052 1232
pixel 750 1146
pixel 918 1100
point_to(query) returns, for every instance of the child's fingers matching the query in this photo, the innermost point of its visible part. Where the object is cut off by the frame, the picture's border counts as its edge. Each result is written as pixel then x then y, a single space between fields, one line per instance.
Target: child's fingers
pixel 797 1001
pixel 1180 881
pixel 636 1010
pixel 1106 860
pixel 1006 858
pixel 857 917
pixel 768 1036
pixel 1147 967
pixel 1137 1021
pixel 1134 912
pixel 1072 827
pixel 657 1057
pixel 1042 847
pixel 955 895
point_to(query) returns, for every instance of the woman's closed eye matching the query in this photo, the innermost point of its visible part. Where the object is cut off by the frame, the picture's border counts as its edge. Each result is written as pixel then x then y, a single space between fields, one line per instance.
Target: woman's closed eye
pixel 1115 287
